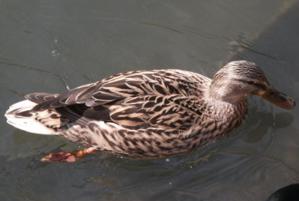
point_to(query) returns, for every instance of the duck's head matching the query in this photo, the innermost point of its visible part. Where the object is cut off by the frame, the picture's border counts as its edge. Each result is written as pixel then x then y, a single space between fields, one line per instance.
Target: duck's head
pixel 238 79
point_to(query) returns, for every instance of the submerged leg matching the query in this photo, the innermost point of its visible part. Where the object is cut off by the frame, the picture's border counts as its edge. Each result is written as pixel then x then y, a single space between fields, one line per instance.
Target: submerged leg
pixel 68 157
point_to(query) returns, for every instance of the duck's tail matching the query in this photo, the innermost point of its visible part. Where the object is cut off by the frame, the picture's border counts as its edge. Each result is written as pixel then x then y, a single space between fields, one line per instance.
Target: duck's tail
pixel 22 116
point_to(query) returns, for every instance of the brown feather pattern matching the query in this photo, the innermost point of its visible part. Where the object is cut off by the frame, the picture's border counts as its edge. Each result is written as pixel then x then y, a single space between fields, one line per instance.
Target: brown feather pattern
pixel 143 114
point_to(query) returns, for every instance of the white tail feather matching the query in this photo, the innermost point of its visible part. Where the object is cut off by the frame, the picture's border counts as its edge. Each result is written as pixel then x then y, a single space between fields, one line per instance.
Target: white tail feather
pixel 28 124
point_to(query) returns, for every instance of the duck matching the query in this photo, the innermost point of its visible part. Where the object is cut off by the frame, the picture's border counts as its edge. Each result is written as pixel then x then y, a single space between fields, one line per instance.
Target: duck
pixel 146 114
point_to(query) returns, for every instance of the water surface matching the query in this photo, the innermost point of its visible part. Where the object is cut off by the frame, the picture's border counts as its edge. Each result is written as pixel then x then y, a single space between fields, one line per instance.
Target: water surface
pixel 50 45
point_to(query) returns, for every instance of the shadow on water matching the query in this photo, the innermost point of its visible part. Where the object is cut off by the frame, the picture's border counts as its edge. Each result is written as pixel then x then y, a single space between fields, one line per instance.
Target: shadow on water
pixel 256 159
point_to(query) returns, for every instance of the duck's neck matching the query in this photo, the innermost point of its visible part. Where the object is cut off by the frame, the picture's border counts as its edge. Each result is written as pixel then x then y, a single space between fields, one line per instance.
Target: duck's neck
pixel 227 91
pixel 223 110
pixel 224 102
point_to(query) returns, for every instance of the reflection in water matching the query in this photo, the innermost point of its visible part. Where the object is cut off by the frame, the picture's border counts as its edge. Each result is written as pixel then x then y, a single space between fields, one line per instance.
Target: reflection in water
pixel 257 159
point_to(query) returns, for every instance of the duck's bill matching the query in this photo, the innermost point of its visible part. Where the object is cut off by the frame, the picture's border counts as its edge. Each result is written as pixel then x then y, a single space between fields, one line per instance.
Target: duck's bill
pixel 279 99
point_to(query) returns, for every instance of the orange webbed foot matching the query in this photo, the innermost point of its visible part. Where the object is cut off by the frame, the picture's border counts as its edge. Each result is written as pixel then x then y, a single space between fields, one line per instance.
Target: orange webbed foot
pixel 67 157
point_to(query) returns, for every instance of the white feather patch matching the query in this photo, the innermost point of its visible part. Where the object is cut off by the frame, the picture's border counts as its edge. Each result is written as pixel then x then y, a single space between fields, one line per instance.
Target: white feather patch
pixel 28 124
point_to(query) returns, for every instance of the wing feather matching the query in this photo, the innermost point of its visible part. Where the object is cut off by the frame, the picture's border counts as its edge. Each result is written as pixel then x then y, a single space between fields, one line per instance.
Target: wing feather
pixel 165 99
pixel 172 112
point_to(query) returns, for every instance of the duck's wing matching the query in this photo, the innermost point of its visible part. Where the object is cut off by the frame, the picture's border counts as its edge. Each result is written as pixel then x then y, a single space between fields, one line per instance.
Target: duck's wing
pixel 172 113
pixel 161 99
pixel 131 84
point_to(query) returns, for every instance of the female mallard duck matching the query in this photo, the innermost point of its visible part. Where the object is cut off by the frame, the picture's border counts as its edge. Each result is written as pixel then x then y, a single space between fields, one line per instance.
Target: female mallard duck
pixel 146 114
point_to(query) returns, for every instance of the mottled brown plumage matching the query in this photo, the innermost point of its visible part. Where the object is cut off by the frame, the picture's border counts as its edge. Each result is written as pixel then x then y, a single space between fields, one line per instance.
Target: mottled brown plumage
pixel 149 114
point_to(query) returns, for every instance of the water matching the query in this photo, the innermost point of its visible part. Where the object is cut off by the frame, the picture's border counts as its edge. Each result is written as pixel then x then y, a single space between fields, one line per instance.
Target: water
pixel 50 45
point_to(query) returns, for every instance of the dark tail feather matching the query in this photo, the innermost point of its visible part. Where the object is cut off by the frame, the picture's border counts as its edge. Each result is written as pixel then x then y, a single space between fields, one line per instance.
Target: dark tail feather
pixel 44 100
pixel 40 97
